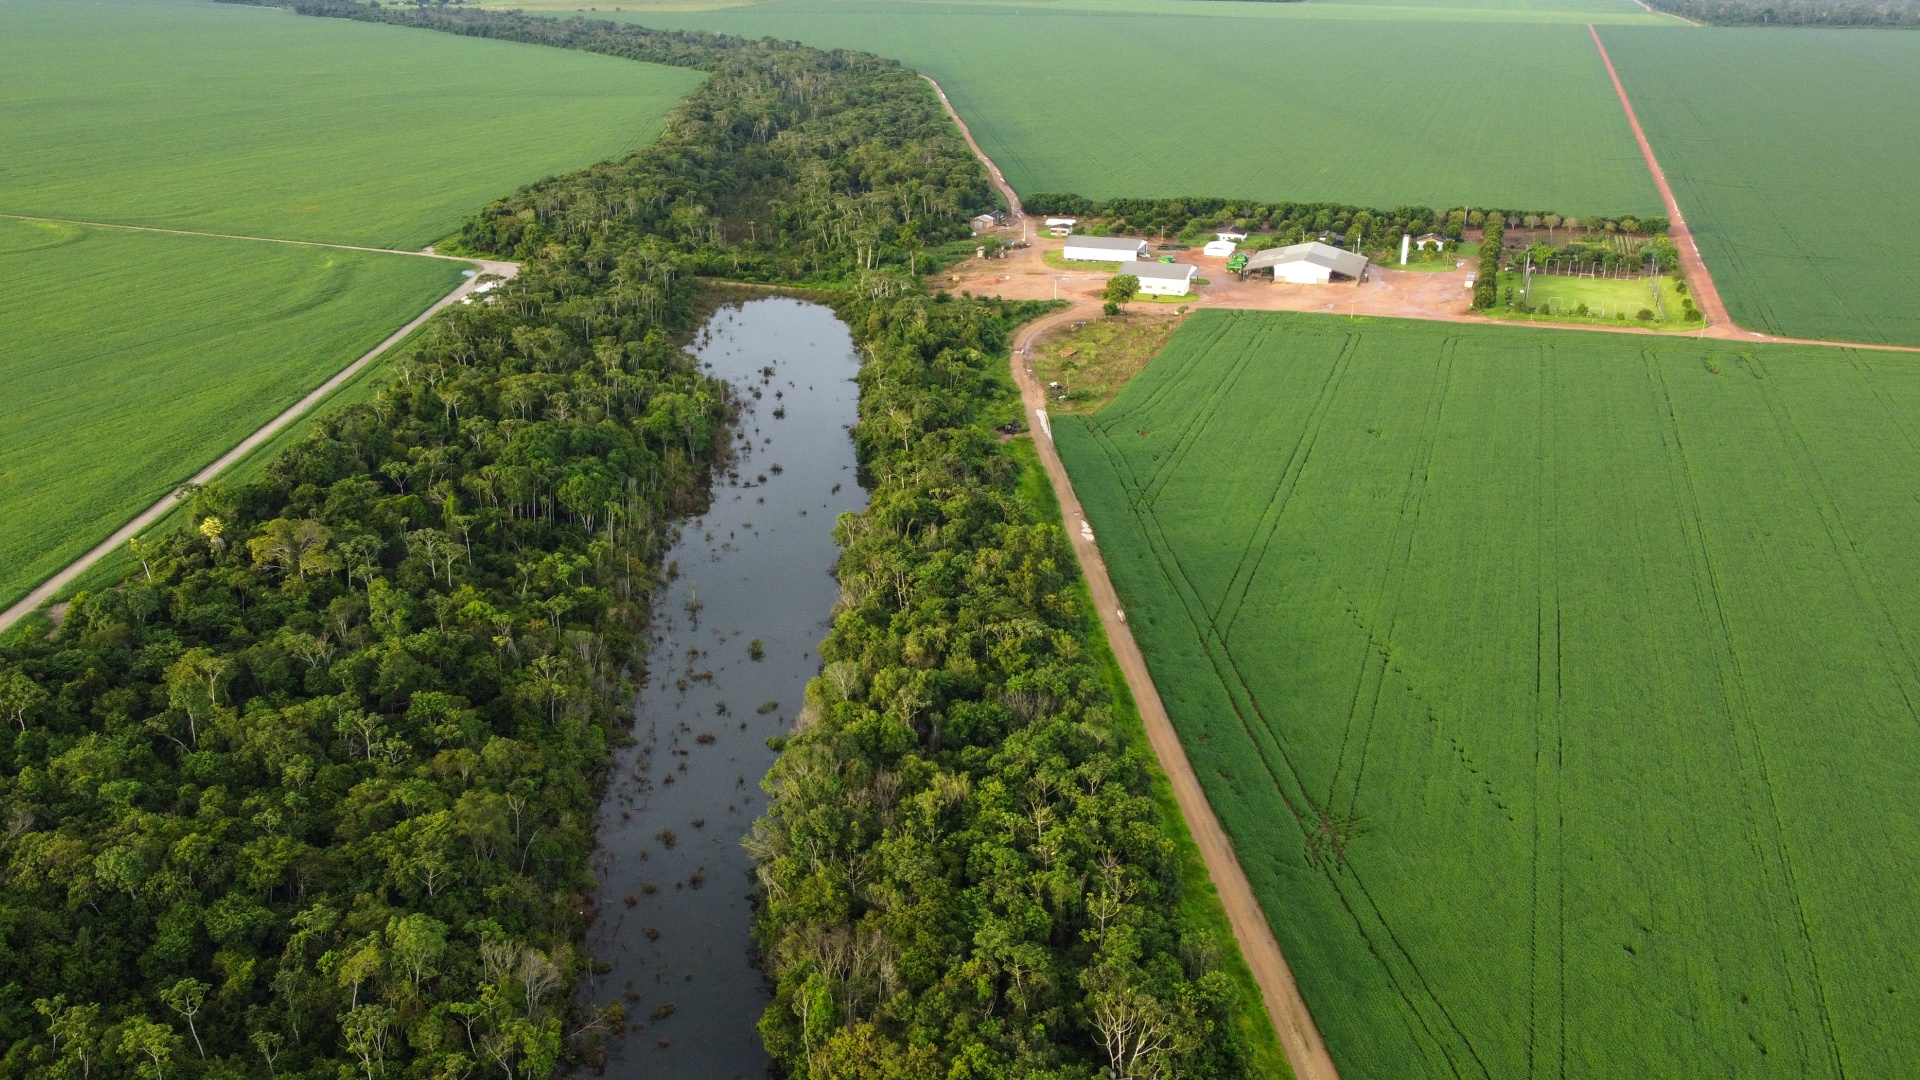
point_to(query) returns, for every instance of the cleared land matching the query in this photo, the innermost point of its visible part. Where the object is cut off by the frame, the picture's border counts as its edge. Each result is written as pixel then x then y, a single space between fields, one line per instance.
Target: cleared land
pixel 1792 153
pixel 1555 688
pixel 232 119
pixel 132 359
pixel 1167 97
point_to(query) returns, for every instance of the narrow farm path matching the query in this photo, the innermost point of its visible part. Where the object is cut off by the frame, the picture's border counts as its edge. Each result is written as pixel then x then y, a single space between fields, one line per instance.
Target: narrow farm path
pixel 50 587
pixel 424 253
pixel 1292 1022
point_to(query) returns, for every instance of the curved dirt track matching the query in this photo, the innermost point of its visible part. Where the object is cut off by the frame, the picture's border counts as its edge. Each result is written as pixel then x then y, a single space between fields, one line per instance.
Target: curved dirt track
pixel 51 587
pixel 1306 1051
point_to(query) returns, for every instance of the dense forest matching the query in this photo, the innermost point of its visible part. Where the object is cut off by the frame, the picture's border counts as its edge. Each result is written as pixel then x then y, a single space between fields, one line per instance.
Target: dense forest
pixel 1289 223
pixel 1865 13
pixel 312 791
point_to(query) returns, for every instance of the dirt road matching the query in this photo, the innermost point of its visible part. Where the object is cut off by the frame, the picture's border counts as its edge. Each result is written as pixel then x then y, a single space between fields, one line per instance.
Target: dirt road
pixel 52 586
pixel 1287 1010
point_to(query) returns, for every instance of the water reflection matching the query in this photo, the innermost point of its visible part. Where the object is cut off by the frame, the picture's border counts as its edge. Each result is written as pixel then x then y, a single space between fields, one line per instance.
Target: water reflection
pixel 733 649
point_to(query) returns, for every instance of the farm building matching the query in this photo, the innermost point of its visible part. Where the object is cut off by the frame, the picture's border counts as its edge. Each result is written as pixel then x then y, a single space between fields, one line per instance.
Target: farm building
pixel 1439 242
pixel 1164 279
pixel 1104 248
pixel 1310 263
pixel 1231 232
pixel 1062 222
pixel 983 222
pixel 1218 249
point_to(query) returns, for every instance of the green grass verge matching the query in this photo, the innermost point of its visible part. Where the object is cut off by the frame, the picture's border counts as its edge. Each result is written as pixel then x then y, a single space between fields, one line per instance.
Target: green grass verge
pixel 1199 900
pixel 1790 150
pixel 1556 689
pixel 233 119
pixel 135 358
pixel 1247 121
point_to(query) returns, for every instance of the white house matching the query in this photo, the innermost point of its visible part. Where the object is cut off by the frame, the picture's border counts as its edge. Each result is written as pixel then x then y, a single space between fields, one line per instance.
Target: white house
pixel 1219 249
pixel 1062 222
pixel 1310 263
pixel 1104 249
pixel 1163 279
pixel 1231 232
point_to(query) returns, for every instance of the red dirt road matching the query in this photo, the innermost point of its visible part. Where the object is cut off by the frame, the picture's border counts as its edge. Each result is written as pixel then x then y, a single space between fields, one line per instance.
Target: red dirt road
pixel 1705 292
pixel 1286 1009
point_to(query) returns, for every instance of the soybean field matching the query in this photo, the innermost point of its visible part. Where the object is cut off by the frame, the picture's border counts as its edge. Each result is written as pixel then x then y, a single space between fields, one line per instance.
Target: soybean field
pixel 1792 152
pixel 235 119
pixel 134 359
pixel 1558 690
pixel 1366 104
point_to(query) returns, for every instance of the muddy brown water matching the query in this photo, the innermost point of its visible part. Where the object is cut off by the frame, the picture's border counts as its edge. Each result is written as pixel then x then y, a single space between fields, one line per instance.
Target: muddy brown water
pixel 675 916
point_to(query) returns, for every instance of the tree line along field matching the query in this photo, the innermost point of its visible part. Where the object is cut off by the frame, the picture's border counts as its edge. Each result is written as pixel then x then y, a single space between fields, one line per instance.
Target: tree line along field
pixel 1792 153
pixel 224 118
pixel 1556 689
pixel 133 359
pixel 1167 98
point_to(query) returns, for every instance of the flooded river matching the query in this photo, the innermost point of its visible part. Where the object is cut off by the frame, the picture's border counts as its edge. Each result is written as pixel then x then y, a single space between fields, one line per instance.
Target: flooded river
pixel 733 649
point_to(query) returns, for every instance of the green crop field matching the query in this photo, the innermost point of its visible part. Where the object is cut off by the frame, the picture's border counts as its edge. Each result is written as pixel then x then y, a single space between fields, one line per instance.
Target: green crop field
pixel 220 118
pixel 1381 106
pixel 1793 153
pixel 1557 689
pixel 133 359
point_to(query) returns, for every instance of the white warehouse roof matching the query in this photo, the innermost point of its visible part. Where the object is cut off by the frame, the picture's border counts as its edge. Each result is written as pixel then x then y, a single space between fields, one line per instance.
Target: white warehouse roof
pixel 1350 263
pixel 1107 243
pixel 1163 271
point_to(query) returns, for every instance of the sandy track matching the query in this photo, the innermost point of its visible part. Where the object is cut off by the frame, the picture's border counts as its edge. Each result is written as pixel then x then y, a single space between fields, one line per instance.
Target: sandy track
pixel 1287 1010
pixel 52 586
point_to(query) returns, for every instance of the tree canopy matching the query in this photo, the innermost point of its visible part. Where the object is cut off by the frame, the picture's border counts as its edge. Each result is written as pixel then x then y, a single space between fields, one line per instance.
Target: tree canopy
pixel 312 791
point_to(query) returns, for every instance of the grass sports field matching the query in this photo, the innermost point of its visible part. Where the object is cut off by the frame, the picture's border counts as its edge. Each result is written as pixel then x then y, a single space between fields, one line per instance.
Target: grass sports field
pixel 1174 97
pixel 133 359
pixel 1792 152
pixel 1558 689
pixel 248 120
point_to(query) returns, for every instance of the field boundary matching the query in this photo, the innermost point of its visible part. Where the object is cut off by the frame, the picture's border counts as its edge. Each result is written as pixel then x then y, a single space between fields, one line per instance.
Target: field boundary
pixel 423 253
pixel 51 587
pixel 1299 1036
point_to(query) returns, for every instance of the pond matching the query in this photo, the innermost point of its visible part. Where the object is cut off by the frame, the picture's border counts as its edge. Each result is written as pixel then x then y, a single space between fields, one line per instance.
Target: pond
pixel 734 641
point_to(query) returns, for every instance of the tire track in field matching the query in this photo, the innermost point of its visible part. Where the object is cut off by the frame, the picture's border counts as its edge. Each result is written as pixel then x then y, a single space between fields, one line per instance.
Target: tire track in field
pixel 1196 426
pixel 1410 985
pixel 1190 371
pixel 1770 852
pixel 1428 1014
pixel 1547 932
pixel 1290 472
pixel 1867 593
pixel 1399 560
